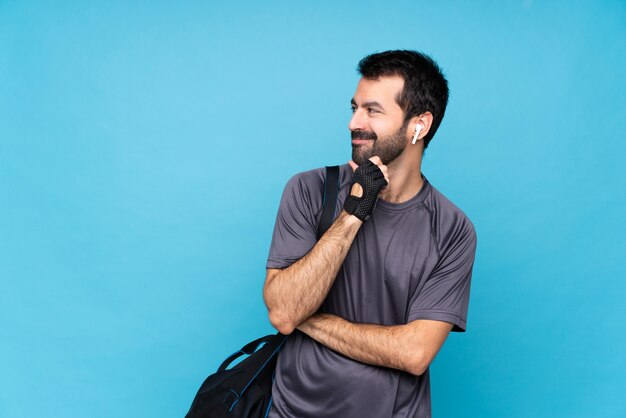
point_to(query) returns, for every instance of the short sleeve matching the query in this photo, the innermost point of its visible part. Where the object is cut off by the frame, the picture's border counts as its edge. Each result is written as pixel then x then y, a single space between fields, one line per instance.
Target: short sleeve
pixel 295 228
pixel 445 294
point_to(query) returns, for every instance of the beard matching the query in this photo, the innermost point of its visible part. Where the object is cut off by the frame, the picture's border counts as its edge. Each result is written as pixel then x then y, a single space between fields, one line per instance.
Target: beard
pixel 387 148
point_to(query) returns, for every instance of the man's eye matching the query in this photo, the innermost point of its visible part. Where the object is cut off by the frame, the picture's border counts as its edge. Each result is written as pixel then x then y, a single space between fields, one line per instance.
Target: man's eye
pixel 370 110
pixel 353 109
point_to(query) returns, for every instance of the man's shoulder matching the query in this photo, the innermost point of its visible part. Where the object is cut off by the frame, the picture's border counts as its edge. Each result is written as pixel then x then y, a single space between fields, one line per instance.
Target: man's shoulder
pixel 448 221
pixel 309 178
pixel 312 181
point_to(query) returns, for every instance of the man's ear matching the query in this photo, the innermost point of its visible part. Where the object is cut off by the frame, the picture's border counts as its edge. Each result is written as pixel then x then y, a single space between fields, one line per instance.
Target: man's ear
pixel 425 120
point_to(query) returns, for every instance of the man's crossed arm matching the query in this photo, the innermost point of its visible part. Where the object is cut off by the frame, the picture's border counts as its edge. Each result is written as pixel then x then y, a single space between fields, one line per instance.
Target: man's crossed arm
pixel 293 294
pixel 410 347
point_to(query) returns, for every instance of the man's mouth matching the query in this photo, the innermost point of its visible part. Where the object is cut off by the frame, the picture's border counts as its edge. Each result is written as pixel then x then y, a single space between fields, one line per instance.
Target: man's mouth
pixel 362 137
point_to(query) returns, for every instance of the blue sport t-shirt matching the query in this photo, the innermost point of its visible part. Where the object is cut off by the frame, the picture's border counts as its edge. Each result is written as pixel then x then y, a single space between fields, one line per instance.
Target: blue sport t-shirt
pixel 410 260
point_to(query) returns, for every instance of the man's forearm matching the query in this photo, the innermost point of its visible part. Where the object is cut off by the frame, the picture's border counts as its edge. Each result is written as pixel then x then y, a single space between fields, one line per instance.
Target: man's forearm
pixel 296 292
pixel 377 345
pixel 410 347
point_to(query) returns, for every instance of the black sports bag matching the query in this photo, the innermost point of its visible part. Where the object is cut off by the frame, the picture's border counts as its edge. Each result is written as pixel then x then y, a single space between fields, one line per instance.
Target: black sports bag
pixel 245 390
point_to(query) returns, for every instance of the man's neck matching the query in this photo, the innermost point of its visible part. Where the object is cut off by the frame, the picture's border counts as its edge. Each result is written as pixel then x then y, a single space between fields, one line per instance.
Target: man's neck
pixel 405 180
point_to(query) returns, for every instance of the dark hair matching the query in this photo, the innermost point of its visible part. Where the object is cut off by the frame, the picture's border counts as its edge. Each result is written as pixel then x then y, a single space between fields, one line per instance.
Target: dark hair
pixel 425 87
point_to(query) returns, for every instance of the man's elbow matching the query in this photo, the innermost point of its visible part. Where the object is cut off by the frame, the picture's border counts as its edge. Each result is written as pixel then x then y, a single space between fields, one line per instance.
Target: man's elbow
pixel 280 323
pixel 278 319
pixel 417 363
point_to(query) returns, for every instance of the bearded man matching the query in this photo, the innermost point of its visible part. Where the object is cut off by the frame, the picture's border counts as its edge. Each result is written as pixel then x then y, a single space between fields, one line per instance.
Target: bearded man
pixel 370 304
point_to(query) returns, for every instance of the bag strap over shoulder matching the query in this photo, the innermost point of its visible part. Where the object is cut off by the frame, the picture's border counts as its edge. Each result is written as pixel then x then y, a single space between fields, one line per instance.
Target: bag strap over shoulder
pixel 331 191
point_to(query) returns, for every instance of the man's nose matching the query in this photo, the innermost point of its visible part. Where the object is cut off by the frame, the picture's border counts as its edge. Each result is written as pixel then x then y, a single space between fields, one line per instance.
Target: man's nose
pixel 357 122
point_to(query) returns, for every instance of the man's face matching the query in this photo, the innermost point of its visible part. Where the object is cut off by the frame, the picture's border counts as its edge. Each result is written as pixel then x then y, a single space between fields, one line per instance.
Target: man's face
pixel 377 126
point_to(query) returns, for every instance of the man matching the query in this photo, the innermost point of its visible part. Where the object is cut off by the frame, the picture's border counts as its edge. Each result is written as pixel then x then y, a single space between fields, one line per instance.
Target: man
pixel 369 305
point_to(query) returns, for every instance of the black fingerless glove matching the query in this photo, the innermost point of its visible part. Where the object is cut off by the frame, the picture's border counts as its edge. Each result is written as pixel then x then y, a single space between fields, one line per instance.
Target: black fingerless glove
pixel 372 180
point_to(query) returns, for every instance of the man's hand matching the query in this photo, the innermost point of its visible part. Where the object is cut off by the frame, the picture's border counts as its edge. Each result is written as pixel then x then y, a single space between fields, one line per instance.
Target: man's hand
pixel 367 182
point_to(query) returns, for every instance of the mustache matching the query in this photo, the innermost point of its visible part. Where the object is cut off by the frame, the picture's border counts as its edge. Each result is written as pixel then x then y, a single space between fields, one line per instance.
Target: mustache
pixel 363 135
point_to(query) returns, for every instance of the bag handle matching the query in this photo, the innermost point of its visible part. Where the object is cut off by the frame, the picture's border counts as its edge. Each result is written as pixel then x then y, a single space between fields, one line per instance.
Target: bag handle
pixel 248 349
pixel 256 364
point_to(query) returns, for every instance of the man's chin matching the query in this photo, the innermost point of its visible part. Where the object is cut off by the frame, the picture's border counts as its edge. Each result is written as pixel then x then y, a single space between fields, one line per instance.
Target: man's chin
pixel 360 154
pixel 360 159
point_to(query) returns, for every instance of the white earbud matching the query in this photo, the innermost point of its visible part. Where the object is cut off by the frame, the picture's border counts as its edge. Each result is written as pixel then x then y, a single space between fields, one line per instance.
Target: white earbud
pixel 418 129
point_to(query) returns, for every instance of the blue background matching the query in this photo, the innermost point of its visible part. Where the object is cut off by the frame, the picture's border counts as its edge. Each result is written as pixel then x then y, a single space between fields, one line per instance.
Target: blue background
pixel 143 152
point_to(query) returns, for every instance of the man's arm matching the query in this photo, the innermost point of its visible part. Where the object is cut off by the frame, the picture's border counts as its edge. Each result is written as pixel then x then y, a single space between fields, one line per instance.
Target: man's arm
pixel 410 347
pixel 295 293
